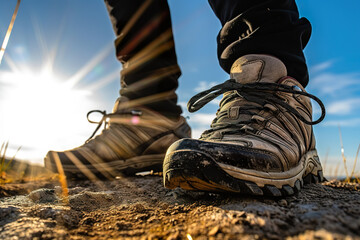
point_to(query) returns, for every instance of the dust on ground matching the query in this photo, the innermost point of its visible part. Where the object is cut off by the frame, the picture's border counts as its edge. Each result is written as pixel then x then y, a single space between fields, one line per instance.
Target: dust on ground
pixel 140 207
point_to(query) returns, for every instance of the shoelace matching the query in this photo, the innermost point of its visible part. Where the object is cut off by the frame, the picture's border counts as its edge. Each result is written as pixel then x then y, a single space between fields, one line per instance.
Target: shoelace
pixel 261 93
pixel 105 119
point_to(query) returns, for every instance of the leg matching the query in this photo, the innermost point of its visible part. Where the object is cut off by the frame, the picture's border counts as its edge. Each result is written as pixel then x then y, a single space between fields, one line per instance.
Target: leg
pixel 146 119
pixel 267 27
pixel 261 141
pixel 145 47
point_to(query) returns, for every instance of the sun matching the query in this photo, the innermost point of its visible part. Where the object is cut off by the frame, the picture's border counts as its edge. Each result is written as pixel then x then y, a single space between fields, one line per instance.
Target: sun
pixel 40 112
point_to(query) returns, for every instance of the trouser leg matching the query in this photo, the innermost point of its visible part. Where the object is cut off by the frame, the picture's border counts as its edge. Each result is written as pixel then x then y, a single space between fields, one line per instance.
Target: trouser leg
pixel 265 27
pixel 145 47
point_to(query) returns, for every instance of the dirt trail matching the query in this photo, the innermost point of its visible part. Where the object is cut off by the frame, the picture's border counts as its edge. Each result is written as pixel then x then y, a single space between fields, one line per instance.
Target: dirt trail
pixel 140 208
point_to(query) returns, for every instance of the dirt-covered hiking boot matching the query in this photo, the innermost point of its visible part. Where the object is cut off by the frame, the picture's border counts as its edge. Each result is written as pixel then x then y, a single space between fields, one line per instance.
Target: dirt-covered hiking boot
pixel 261 141
pixel 134 139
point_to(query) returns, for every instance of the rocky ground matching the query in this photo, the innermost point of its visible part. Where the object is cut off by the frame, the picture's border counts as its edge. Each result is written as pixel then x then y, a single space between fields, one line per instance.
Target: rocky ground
pixel 140 208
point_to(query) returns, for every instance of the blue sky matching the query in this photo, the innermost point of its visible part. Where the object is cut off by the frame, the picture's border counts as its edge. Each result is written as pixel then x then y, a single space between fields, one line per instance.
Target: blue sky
pixel 76 37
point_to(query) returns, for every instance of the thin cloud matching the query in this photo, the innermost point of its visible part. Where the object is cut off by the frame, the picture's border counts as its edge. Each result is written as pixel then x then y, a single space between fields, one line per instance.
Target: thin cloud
pixel 199 122
pixel 202 86
pixel 335 84
pixel 202 118
pixel 321 66
pixel 343 107
pixel 354 122
pixel 196 132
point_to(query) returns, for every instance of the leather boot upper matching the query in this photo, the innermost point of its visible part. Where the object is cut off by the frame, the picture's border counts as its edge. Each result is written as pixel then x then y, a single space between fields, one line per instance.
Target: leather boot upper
pixel 265 131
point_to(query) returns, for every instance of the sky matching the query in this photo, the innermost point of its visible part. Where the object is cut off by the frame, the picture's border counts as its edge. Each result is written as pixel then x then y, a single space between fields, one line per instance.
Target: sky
pixel 60 64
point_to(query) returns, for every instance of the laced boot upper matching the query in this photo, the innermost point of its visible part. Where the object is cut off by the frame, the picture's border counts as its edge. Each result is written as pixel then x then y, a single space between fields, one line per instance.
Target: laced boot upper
pixel 133 136
pixel 131 131
pixel 264 112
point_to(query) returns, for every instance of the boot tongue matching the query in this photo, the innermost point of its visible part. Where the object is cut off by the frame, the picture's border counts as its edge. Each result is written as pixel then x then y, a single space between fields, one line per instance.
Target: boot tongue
pixel 125 111
pixel 257 68
pixel 121 105
pixel 250 69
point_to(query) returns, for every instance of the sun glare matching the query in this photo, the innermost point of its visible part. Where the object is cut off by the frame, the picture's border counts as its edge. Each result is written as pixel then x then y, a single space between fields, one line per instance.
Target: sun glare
pixel 41 112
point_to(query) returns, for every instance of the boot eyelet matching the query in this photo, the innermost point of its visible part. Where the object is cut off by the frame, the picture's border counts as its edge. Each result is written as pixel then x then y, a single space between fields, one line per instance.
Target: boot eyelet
pixel 297 88
pixel 136 112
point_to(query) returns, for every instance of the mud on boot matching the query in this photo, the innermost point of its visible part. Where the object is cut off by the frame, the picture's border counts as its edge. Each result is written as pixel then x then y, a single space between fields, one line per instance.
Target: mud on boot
pixel 261 141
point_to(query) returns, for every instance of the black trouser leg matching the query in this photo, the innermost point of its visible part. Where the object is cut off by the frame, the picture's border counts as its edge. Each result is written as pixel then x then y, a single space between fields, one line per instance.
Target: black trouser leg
pixel 265 27
pixel 145 46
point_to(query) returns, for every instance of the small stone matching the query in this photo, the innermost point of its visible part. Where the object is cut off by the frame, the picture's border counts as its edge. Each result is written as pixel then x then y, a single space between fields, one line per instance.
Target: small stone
pixel 174 236
pixel 46 213
pixel 69 219
pixel 8 212
pixel 89 221
pixel 139 208
pixel 43 195
pixel 242 214
pixel 58 190
pixel 283 203
pixel 213 231
pixel 122 225
pixel 235 221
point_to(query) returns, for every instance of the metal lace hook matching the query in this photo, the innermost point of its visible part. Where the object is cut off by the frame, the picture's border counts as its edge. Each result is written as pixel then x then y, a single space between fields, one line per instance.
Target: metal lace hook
pixel 7 35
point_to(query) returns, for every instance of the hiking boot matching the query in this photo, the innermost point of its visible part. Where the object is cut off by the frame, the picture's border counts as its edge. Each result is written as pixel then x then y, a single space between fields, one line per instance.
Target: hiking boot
pixel 135 139
pixel 261 141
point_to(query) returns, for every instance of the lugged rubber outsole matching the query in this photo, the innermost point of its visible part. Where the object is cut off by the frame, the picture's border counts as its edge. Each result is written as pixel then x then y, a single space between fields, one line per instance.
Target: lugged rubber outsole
pixel 109 169
pixel 191 170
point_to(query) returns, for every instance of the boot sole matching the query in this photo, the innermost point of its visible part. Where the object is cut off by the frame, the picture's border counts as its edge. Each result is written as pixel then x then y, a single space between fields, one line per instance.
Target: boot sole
pixel 195 170
pixel 108 170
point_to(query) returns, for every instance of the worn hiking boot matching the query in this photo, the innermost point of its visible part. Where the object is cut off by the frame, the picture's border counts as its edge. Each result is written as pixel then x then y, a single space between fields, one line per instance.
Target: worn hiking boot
pixel 261 141
pixel 134 140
